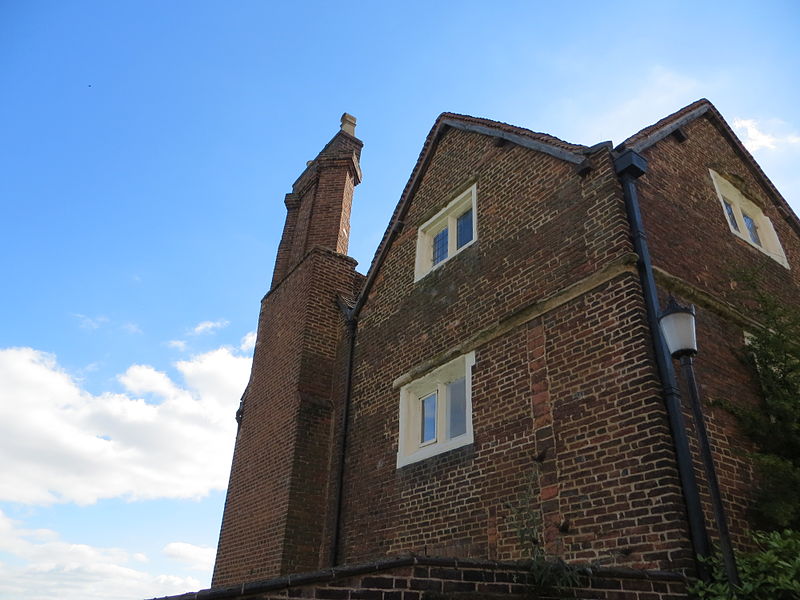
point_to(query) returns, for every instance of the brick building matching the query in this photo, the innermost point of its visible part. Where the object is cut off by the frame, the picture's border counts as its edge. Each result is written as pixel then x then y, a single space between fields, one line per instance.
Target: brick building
pixel 500 358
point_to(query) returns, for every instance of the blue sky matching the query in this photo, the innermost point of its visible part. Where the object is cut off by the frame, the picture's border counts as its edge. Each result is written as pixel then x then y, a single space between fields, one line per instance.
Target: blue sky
pixel 146 148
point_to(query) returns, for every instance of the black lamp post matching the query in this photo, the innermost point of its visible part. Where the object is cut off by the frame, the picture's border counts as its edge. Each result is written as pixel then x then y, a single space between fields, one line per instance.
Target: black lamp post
pixel 677 325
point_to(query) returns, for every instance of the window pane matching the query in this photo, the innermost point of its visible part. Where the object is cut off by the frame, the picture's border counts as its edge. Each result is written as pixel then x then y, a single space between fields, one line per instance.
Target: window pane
pixel 440 246
pixel 457 407
pixel 731 216
pixel 464 229
pixel 428 410
pixel 752 229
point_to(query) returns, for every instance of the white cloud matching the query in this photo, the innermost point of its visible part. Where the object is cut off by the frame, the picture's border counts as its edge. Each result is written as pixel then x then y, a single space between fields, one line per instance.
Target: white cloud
pixel 131 328
pixel 755 138
pixel 44 566
pixel 178 344
pixel 654 94
pixel 90 322
pixel 197 558
pixel 662 92
pixel 209 326
pixel 159 439
pixel 248 342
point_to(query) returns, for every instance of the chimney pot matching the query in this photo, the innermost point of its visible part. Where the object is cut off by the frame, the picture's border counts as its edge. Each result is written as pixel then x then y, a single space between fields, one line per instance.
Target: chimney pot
pixel 349 124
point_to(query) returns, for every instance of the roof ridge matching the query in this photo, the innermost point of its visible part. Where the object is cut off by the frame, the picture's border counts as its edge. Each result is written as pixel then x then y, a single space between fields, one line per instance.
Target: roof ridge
pixel 537 135
pixel 677 115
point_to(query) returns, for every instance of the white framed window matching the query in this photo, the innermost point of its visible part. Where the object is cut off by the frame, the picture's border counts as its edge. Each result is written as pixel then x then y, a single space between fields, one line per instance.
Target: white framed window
pixel 746 220
pixel 447 233
pixel 436 412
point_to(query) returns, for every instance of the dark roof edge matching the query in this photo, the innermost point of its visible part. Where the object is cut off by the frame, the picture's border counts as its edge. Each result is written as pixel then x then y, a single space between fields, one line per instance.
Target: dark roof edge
pixel 607 145
pixel 663 132
pixel 518 139
pixel 328 575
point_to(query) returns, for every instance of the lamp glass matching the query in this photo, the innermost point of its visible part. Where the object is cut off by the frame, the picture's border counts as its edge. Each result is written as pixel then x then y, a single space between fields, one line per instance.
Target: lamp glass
pixel 678 330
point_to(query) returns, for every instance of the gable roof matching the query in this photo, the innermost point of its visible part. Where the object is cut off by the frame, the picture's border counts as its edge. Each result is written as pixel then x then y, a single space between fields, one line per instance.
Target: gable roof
pixel 649 136
pixel 541 142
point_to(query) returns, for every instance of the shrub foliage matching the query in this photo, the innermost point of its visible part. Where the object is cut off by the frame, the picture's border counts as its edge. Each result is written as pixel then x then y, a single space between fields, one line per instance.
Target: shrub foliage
pixel 773 352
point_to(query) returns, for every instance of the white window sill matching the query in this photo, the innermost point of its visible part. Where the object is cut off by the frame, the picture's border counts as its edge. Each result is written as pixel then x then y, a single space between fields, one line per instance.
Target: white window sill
pixel 434 450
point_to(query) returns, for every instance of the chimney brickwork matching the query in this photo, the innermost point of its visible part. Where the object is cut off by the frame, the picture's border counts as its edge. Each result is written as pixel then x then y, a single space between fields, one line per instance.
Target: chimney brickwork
pixel 318 207
pixel 276 508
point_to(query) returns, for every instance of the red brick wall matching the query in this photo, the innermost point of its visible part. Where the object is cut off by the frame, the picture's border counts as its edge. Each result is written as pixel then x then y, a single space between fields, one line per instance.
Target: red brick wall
pixel 576 379
pixel 277 497
pixel 687 231
pixel 283 256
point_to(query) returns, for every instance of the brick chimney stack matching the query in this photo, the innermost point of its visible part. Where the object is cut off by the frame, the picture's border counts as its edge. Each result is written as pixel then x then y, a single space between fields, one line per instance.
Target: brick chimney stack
pixel 318 207
pixel 276 518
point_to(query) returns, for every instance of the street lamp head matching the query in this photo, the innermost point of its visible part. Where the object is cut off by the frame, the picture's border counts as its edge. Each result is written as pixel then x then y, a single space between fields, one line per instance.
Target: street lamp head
pixel 677 325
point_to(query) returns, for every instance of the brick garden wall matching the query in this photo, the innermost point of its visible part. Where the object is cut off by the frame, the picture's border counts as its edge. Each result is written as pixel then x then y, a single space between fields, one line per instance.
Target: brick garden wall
pixel 431 578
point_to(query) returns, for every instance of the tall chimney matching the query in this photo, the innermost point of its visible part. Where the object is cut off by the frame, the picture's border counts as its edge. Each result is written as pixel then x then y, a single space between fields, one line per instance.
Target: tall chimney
pixel 275 518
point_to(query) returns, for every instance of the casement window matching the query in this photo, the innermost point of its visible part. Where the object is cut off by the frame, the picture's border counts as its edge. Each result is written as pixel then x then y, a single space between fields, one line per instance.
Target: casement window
pixel 746 220
pixel 436 412
pixel 446 234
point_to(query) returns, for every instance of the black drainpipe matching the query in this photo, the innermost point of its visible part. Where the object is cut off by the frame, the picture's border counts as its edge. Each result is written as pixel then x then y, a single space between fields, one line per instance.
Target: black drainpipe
pixel 352 326
pixel 351 316
pixel 630 166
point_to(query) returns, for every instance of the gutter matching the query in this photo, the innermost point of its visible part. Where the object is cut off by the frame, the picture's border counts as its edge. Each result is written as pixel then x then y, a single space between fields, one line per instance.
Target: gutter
pixel 350 314
pixel 629 166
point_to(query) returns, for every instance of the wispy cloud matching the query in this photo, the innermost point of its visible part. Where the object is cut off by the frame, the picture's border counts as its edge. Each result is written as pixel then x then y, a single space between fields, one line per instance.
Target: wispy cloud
pixel 90 322
pixel 44 566
pixel 132 328
pixel 248 342
pixel 754 136
pixel 177 344
pixel 651 96
pixel 209 327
